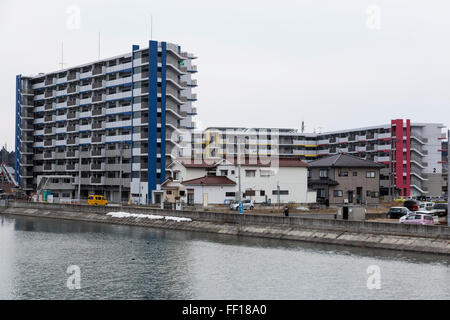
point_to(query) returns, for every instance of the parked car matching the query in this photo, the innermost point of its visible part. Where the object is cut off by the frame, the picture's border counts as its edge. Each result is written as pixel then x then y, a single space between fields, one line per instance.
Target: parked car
pixel 397 212
pixel 246 204
pixel 417 218
pixel 412 205
pixel 426 206
pixel 440 209
pixel 96 200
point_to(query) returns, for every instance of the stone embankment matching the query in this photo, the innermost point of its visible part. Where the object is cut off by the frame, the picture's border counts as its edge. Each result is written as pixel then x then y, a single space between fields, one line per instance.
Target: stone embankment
pixel 419 238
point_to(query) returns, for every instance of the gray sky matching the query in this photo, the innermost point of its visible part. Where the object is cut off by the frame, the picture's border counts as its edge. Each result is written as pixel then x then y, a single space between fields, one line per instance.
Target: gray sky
pixel 261 63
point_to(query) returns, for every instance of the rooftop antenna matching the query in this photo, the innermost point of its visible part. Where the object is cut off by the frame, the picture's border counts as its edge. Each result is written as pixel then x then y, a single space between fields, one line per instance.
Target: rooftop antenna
pixel 151 27
pixel 62 56
pixel 303 126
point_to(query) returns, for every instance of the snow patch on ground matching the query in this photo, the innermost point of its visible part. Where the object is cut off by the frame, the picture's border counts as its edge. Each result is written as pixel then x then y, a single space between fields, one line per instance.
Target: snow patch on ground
pixel 146 216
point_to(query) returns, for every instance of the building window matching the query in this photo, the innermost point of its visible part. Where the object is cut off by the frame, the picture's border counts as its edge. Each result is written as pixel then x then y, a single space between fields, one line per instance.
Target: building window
pixel 323 173
pixel 282 192
pixel 355 173
pixel 266 173
pixel 262 193
pixel 168 191
pixel 337 193
pixel 370 174
pixel 230 194
pixel 343 173
pixel 320 193
pixel 223 172
pixel 250 173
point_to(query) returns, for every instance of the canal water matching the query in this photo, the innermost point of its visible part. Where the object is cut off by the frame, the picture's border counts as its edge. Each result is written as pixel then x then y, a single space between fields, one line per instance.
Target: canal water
pixel 124 262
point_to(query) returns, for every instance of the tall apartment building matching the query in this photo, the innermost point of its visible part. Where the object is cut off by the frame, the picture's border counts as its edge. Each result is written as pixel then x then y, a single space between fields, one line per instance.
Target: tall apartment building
pixel 110 126
pixel 412 152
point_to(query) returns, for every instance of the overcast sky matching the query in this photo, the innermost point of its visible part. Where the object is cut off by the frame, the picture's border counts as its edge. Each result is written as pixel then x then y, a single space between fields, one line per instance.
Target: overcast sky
pixel 333 64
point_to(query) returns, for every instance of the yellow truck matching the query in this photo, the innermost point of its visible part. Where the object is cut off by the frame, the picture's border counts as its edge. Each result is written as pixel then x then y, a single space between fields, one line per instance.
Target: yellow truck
pixel 96 200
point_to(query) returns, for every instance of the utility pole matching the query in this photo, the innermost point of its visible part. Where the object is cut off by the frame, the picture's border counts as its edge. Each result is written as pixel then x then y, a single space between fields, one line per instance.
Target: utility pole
pixel 448 180
pixel 120 185
pixel 278 194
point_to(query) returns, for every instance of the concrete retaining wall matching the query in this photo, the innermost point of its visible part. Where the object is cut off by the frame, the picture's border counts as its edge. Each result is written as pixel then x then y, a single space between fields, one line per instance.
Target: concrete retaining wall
pixel 442 232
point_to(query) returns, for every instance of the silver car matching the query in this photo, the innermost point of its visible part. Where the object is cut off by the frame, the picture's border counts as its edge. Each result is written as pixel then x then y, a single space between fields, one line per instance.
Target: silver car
pixel 246 204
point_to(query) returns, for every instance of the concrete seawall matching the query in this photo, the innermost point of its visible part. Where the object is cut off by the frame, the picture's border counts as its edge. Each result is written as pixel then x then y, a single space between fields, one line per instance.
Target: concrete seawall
pixel 431 239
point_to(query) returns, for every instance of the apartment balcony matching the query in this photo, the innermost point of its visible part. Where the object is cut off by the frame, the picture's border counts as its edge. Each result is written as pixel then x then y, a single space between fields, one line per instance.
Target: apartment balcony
pixel 98 152
pixel 39 85
pixel 73 90
pixel 49 167
pixel 26 91
pixel 119 82
pixel 118 138
pixel 72 115
pixel 98 98
pixel 85 140
pixel 61 105
pixel 62 117
pixel 49 118
pixel 323 141
pixel 119 95
pixel 38 144
pixel 73 102
pixel 192 69
pixel 73 76
pixel 98 140
pixel 72 141
pixel 72 167
pixel 342 140
pixel 85 127
pixel 86 74
pixel 383 136
pixel 85 101
pixel 99 70
pixel 39 109
pixel 383 147
pixel 98 112
pixel 61 80
pixel 60 143
pixel 72 154
pixel 342 150
pixel 50 131
pixel 26 127
pixel 361 149
pixel 118 110
pixel 49 155
pixel 61 93
pixel 361 138
pixel 25 114
pixel 49 106
pixel 85 114
pixel 97 166
pixel 382 159
pixel 50 82
pixel 98 126
pixel 49 143
pixel 118 124
pixel 86 88
pixel 39 97
pixel 98 180
pixel 61 130
pixel 119 67
pixel 193 97
pixel 193 83
pixel 193 112
pixel 48 94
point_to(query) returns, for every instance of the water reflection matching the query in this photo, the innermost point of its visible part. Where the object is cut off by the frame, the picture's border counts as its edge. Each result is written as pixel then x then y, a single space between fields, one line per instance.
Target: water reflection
pixel 140 263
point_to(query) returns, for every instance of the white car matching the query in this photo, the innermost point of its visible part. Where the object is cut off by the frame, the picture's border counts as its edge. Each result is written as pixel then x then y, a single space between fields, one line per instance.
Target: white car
pixel 246 204
pixel 426 206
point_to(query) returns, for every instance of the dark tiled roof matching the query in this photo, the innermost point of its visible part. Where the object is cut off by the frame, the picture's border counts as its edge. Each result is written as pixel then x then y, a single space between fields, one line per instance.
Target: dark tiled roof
pixel 344 160
pixel 210 180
